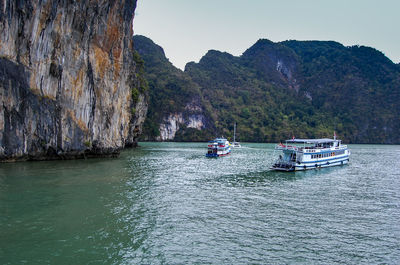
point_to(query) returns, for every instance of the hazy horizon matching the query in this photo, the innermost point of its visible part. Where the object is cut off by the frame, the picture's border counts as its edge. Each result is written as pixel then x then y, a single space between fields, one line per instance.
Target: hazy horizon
pixel 186 30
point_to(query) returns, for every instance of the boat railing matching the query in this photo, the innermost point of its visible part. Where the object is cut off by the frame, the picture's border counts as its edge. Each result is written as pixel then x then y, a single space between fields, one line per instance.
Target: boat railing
pixel 286 162
pixel 286 147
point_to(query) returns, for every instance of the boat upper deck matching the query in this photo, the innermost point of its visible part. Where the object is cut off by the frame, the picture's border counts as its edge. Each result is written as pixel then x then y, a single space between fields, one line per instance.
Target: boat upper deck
pixel 219 143
pixel 313 145
pixel 218 140
pixel 312 141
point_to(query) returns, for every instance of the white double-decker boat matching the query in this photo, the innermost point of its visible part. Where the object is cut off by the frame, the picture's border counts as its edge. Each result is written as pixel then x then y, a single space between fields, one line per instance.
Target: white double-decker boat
pixel 303 154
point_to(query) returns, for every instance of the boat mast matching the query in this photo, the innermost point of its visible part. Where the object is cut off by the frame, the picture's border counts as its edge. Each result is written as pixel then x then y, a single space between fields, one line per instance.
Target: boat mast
pixel 234 132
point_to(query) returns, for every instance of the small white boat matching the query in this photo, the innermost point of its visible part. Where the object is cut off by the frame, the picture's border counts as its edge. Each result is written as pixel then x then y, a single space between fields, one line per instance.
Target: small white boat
pixel 234 143
pixel 218 147
pixel 303 154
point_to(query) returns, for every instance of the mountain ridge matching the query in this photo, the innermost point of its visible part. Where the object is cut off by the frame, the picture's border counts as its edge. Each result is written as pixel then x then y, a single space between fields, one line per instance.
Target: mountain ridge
pixel 302 88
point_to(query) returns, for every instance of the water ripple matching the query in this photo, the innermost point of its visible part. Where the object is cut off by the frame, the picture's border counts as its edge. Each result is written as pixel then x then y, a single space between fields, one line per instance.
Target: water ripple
pixel 165 203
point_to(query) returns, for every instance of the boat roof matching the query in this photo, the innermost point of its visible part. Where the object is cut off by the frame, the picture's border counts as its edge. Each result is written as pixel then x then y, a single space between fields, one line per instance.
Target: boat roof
pixel 312 141
pixel 218 140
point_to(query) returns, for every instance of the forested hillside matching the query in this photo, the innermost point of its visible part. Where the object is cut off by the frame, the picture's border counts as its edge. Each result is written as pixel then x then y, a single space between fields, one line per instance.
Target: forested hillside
pixel 357 85
pixel 176 107
pixel 278 90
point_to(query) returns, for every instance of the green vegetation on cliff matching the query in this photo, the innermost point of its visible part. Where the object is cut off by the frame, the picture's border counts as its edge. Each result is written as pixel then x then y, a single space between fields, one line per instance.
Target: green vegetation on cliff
pixel 358 85
pixel 278 90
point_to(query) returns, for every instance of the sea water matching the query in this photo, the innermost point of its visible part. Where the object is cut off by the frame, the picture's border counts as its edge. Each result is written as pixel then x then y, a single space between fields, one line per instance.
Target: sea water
pixel 166 203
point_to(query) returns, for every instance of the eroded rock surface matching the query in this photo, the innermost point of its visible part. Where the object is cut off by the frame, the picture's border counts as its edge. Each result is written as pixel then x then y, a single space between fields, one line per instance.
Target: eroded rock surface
pixel 67 72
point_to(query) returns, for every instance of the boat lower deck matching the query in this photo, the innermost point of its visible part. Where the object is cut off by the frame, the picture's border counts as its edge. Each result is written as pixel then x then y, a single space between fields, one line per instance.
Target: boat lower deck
pixel 300 167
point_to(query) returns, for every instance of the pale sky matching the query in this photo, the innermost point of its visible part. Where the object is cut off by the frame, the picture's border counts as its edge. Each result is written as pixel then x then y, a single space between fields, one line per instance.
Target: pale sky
pixel 187 29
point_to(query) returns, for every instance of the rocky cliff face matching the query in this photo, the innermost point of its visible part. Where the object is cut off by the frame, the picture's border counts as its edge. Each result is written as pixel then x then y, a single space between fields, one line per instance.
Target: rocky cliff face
pixel 67 75
pixel 191 117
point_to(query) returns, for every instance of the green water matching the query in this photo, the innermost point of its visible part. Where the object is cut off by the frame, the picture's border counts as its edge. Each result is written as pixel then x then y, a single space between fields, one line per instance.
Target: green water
pixel 165 203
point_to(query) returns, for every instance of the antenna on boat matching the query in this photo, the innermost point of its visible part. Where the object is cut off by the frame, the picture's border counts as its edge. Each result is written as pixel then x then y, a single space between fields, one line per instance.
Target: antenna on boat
pixel 234 132
pixel 334 129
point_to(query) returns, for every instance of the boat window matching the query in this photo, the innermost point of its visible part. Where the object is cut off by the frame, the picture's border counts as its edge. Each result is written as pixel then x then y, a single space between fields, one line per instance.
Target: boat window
pixel 340 152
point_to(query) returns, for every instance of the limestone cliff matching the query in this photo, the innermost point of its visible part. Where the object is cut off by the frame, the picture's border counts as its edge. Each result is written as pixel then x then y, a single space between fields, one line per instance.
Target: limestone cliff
pixel 192 116
pixel 68 81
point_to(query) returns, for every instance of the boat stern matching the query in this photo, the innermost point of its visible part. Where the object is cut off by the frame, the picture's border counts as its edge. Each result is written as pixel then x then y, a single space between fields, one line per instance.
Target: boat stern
pixel 283 167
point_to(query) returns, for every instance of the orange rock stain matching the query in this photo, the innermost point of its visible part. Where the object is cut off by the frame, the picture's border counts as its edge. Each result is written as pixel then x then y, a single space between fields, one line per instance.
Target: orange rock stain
pixel 81 124
pixel 109 44
pixel 102 63
pixel 77 84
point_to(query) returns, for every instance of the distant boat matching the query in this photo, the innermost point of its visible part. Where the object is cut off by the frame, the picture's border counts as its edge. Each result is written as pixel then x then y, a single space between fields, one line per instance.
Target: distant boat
pixel 311 154
pixel 218 147
pixel 235 144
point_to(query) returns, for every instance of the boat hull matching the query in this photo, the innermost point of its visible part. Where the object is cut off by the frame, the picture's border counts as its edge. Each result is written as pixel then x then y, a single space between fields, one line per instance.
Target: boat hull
pixel 217 155
pixel 308 166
